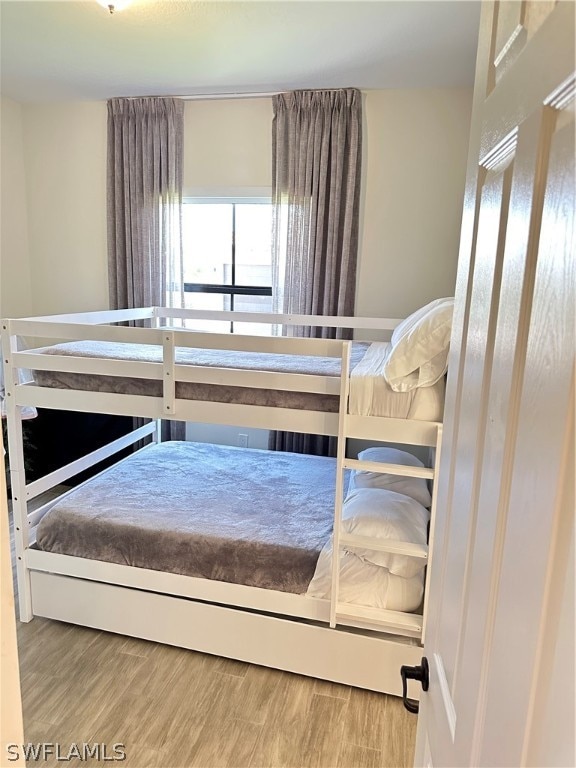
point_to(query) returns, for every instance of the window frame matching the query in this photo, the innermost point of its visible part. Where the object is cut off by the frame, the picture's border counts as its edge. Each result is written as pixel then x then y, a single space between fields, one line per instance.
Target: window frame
pixel 231 289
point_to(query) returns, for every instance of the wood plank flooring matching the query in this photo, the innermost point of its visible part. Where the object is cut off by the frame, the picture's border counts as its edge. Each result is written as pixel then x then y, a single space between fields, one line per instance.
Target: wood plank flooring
pixel 171 707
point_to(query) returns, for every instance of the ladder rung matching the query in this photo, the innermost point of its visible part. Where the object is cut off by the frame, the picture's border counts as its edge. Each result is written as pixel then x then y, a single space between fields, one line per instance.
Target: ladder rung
pixel 393 469
pixel 379 618
pixel 384 545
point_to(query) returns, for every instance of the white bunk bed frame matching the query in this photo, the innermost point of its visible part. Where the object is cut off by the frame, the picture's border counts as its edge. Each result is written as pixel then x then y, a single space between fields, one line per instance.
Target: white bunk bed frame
pixel 363 647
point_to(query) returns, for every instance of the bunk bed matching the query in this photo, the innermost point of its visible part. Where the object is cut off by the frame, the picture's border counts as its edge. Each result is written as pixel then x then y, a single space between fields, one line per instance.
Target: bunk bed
pixel 158 369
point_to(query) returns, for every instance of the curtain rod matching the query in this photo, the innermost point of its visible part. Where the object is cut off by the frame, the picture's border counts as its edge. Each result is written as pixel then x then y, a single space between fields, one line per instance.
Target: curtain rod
pixel 199 96
pixel 252 95
pixel 231 95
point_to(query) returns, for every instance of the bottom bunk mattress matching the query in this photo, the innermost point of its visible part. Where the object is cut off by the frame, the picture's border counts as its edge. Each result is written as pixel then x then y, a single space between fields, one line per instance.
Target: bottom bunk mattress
pixel 239 515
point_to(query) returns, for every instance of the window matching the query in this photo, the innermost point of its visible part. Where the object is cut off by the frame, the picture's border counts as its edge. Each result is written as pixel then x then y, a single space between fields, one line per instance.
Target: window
pixel 227 259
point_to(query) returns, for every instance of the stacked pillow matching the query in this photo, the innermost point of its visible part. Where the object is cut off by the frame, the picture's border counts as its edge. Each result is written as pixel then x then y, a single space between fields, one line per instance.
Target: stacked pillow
pixel 384 506
pixel 415 487
pixel 419 347
pixel 363 583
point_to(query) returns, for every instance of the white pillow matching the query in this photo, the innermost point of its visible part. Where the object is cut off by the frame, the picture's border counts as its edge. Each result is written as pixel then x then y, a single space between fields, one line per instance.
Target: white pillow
pixel 383 514
pixel 415 487
pixel 365 584
pixel 409 322
pixel 419 347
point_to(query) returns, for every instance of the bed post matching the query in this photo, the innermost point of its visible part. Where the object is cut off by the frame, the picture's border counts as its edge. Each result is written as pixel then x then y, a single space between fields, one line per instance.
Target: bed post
pixel 432 524
pixel 339 494
pixel 17 477
pixel 155 323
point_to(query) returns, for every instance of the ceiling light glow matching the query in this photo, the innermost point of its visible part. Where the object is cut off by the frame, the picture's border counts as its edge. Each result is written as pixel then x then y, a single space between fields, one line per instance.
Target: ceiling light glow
pixel 113 5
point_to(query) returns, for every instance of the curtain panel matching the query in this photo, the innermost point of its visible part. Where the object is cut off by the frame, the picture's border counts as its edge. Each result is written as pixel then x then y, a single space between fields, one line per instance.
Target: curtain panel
pixel 144 201
pixel 317 148
pixel 316 165
pixel 145 150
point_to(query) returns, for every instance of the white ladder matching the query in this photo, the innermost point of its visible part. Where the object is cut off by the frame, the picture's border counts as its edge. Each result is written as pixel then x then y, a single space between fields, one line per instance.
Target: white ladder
pixel 394 622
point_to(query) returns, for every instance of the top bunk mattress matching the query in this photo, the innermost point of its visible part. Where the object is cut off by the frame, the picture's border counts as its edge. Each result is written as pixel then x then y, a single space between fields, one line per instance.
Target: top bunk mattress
pixel 240 515
pixel 370 395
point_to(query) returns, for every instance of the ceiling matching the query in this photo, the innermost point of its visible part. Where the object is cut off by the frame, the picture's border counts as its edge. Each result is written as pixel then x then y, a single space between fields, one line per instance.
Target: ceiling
pixel 70 50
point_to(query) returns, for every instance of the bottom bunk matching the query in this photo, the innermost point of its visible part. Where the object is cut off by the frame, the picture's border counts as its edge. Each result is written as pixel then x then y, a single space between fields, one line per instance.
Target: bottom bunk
pixel 226 551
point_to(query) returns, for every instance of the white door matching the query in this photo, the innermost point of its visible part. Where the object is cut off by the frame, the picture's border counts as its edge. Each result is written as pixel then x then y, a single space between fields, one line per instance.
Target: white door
pixel 497 642
pixel 11 730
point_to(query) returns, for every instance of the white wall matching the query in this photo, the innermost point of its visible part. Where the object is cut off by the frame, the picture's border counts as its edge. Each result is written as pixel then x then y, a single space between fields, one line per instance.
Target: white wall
pixel 226 434
pixel 227 145
pixel 414 169
pixel 414 155
pixel 65 150
pixel 15 287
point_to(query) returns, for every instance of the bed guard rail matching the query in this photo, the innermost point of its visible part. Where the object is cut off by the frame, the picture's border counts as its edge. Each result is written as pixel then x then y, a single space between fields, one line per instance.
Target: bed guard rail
pixel 100 327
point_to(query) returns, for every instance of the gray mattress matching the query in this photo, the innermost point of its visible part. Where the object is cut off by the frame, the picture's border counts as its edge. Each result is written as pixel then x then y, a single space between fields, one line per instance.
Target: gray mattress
pixel 205 357
pixel 233 514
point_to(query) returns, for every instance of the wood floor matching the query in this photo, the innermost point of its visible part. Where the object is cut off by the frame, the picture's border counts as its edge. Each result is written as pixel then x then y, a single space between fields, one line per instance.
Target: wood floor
pixel 171 707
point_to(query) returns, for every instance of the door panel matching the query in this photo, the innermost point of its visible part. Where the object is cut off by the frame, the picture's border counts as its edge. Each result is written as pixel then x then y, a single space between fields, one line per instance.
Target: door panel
pixel 553 698
pixel 510 35
pixel 535 14
pixel 530 512
pixel 510 386
pixel 474 399
pixel 514 301
pixel 516 24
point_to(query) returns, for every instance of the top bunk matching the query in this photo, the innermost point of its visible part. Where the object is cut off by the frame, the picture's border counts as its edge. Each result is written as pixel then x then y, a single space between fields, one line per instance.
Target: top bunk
pixel 157 367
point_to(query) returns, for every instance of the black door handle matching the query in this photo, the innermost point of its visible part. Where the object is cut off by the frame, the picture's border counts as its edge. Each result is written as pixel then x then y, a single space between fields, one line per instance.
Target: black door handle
pixel 414 673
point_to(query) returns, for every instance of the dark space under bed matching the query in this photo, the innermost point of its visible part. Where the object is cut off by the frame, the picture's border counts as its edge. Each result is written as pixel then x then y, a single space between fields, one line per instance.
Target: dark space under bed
pixel 239 515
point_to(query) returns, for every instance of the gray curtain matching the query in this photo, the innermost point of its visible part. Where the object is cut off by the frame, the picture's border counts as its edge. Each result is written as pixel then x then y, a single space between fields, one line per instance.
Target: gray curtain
pixel 317 149
pixel 145 149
